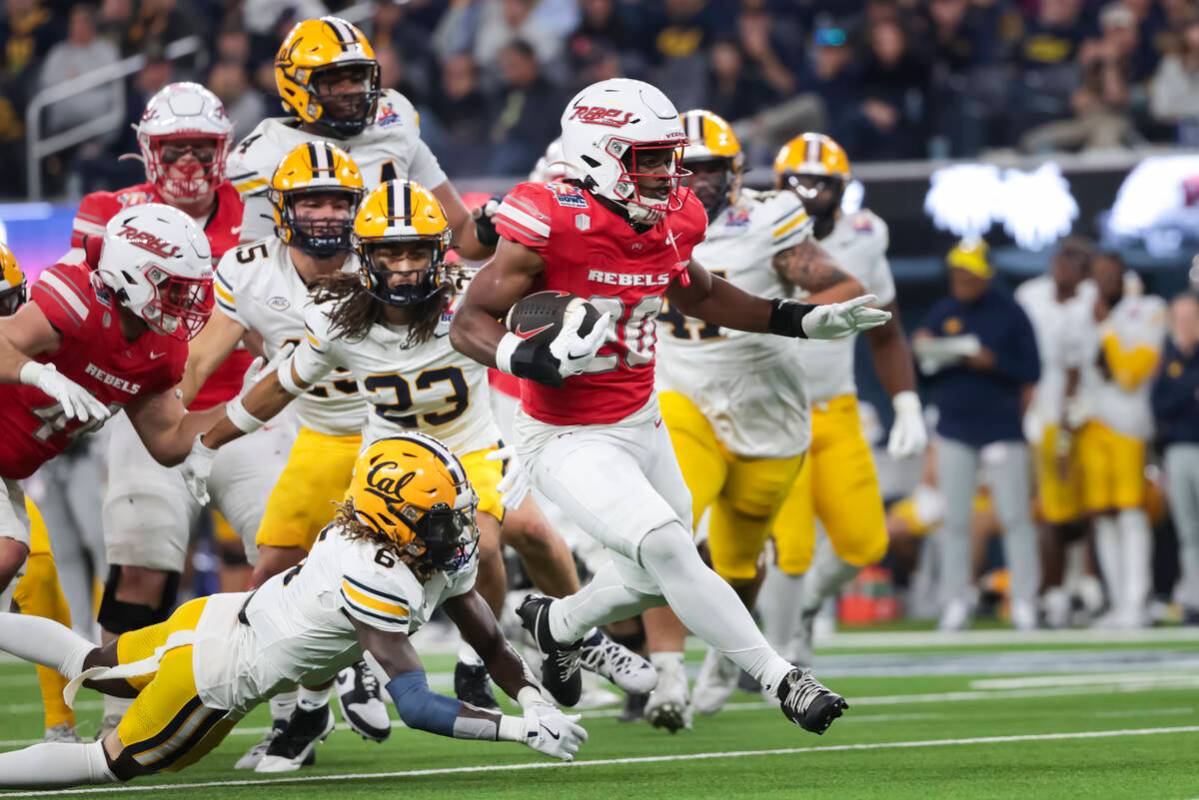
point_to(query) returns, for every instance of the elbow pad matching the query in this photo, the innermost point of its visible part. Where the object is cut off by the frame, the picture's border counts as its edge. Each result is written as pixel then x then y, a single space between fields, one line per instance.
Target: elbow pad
pixel 420 708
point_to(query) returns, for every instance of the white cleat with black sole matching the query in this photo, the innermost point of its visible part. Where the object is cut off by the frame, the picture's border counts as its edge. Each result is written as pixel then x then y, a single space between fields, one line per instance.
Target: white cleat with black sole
pixel 618 664
pixel 361 703
pixel 296 743
pixel 669 704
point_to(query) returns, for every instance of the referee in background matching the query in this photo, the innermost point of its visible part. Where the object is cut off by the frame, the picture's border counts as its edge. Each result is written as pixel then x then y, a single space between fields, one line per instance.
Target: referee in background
pixel 981 351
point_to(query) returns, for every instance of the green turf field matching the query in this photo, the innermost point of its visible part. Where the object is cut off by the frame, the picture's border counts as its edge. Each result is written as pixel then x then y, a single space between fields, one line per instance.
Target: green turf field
pixel 929 719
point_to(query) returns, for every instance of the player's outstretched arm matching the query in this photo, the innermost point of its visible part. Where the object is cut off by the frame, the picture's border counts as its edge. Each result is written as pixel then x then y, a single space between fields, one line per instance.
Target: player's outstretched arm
pixel 166 427
pixel 420 708
pixel 478 626
pixel 266 391
pixel 476 330
pixel 462 223
pixel 809 267
pixel 28 333
pixel 715 300
pixel 206 352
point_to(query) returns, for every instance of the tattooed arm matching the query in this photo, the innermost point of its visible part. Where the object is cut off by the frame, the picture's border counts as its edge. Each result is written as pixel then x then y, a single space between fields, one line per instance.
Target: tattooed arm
pixel 808 267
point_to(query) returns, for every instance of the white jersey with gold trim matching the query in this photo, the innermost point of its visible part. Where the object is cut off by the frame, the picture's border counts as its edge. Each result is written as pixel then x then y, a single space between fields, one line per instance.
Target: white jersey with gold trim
pixel 1061 330
pixel 749 386
pixel 1136 322
pixel 429 386
pixel 296 625
pixel 858 243
pixel 390 149
pixel 258 287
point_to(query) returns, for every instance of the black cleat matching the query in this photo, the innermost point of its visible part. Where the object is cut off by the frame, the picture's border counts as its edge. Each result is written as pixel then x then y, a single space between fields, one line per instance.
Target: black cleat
pixel 295 746
pixel 808 703
pixel 634 708
pixel 560 668
pixel 473 685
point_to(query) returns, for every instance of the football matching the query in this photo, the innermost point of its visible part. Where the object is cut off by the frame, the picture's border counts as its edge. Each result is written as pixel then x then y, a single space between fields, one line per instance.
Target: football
pixel 540 316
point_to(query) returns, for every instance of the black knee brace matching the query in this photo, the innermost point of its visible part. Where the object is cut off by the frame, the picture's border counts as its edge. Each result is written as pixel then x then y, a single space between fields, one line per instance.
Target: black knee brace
pixel 117 616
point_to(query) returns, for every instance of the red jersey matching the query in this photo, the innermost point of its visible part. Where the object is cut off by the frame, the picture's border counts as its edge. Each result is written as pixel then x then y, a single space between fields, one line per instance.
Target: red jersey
pixel 95 354
pixel 223 230
pixel 504 383
pixel 593 252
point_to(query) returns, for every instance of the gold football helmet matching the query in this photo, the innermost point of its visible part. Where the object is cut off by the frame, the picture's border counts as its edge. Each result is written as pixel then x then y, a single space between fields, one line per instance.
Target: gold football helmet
pixel 711 138
pixel 313 49
pixel 310 168
pixel 397 212
pixel 411 490
pixel 811 154
pixel 13 286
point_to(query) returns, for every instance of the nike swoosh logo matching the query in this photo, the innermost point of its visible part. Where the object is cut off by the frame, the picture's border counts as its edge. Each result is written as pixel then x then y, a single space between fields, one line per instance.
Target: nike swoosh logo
pixel 156 355
pixel 552 735
pixel 528 334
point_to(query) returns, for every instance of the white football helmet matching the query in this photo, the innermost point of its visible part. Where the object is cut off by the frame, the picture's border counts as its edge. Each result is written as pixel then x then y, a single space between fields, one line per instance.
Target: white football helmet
pixel 608 128
pixel 158 262
pixel 184 111
pixel 551 166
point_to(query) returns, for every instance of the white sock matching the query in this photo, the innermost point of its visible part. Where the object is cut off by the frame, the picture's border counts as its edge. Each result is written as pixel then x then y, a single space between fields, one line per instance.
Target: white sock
pixel 825 578
pixel 708 606
pixel 785 593
pixel 1111 558
pixel 667 659
pixel 282 705
pixel 468 656
pixel 53 764
pixel 116 706
pixel 312 699
pixel 44 641
pixel 1137 553
pixel 604 599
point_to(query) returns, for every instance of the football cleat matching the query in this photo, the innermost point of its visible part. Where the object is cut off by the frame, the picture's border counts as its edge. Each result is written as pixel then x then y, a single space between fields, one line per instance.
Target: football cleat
pixel 62 734
pixel 634 708
pixel 669 704
pixel 716 683
pixel 254 754
pixel 472 684
pixel 808 703
pixel 295 745
pixel 361 703
pixel 618 664
pixel 560 669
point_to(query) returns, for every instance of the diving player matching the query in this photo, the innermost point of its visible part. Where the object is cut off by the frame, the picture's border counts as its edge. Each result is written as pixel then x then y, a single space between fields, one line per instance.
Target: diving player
pixel 402 545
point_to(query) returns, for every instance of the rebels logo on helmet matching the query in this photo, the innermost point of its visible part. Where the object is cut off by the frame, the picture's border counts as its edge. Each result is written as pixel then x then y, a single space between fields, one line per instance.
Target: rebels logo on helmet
pixel 598 115
pixel 148 241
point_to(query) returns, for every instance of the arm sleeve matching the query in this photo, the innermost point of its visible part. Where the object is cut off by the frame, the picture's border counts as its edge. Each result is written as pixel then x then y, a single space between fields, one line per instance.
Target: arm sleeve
pixel 524 216
pixel 789 223
pixel 64 296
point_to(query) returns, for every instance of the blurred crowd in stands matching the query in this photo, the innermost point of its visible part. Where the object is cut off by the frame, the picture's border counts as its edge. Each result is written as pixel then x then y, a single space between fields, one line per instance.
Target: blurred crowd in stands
pixel 889 79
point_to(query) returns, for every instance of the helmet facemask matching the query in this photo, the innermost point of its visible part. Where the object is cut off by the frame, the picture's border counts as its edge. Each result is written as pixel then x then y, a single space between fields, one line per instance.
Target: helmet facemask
pixel 182 167
pixel 345 114
pixel 12 298
pixel 644 161
pixel 715 189
pixel 405 294
pixel 320 238
pixel 444 538
pixel 179 306
pixel 820 194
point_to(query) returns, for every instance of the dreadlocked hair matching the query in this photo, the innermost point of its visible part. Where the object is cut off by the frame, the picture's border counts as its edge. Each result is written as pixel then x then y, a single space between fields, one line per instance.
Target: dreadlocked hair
pixel 354 529
pixel 355 309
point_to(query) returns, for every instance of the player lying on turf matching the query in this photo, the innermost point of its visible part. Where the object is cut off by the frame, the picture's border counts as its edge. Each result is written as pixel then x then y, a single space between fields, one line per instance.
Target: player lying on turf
pixel 403 544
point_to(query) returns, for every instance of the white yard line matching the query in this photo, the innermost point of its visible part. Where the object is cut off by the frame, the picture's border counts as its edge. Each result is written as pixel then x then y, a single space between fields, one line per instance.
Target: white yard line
pixel 871 641
pixel 603 762
pixel 1088 679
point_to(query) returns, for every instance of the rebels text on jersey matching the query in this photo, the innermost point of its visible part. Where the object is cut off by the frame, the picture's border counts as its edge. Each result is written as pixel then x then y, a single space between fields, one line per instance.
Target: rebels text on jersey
pixel 223 229
pixel 593 252
pixel 95 354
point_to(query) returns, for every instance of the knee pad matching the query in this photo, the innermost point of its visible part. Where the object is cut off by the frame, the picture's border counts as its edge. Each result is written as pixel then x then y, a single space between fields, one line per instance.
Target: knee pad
pixel 117 616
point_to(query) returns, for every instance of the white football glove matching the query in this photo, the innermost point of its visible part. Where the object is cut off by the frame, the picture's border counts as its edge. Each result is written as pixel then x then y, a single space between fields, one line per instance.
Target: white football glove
pixel 838 320
pixel 196 468
pixel 549 731
pixel 574 352
pixel 514 487
pixel 259 368
pixel 77 402
pixel 908 436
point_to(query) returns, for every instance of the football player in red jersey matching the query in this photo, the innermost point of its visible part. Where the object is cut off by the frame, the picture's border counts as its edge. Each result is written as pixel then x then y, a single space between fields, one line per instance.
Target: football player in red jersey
pixel 184 137
pixel 621 235
pixel 96 337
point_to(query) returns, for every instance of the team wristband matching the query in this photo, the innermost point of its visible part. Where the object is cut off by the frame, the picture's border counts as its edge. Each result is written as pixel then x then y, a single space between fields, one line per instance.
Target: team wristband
pixel 241 419
pixel 786 317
